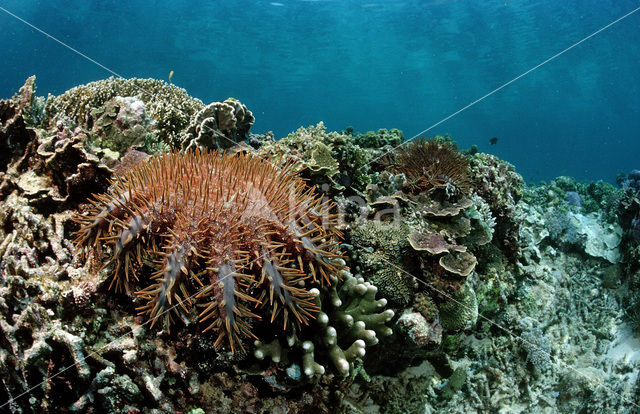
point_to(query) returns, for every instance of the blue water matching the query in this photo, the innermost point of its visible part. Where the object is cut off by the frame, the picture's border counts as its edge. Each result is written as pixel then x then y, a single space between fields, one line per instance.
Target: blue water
pixel 368 64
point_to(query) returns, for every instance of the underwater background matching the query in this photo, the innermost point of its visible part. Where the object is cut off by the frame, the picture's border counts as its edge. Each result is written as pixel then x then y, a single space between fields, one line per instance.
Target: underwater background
pixel 367 64
pixel 207 207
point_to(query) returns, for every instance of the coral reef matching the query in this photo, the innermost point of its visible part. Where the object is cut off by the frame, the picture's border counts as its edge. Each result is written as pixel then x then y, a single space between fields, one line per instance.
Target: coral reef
pixel 501 187
pixel 378 245
pixel 382 140
pixel 585 232
pixel 326 158
pixel 475 295
pixel 14 135
pixel 123 123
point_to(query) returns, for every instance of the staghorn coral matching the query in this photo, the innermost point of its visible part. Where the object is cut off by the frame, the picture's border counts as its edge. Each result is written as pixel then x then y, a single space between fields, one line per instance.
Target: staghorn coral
pixel 225 233
pixel 431 164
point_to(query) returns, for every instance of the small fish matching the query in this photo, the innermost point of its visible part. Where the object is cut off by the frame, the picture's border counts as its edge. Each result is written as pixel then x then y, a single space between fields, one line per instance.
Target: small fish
pixel 170 76
pixel 493 141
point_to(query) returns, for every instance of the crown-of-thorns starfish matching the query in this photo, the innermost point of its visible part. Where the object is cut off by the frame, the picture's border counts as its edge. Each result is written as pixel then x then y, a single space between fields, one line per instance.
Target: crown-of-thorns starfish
pixel 232 235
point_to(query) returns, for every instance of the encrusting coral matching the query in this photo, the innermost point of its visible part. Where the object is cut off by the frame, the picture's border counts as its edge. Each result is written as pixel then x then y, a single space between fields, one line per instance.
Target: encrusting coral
pixel 227 233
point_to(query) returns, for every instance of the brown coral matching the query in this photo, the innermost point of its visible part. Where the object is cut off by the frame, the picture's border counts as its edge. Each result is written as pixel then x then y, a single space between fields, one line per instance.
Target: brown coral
pixel 219 125
pixel 14 134
pixel 233 235
pixel 430 164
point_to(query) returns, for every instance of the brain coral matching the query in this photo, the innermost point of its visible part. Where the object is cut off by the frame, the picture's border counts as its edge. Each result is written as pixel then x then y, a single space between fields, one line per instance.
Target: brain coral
pixel 233 236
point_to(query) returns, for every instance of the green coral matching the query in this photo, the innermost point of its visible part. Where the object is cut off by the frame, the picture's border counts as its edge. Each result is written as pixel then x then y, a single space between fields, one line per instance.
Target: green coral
pixel 384 252
pixel 379 139
pixel 322 160
pixel 460 311
pixel 117 130
pixel 350 319
pixel 326 158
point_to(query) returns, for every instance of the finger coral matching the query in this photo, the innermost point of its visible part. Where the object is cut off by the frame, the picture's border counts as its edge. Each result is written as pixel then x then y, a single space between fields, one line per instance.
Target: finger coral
pixel 232 236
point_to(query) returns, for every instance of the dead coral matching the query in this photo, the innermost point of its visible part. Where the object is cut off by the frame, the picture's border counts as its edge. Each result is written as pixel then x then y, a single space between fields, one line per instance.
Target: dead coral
pixel 53 168
pixel 15 135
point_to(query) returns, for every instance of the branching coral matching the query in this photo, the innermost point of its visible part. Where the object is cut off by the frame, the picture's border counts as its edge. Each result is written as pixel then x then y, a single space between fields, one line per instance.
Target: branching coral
pixel 351 318
pixel 430 164
pixel 233 235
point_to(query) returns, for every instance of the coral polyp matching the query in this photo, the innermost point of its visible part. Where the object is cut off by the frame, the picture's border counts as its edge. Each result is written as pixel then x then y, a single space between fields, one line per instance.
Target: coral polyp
pixel 231 236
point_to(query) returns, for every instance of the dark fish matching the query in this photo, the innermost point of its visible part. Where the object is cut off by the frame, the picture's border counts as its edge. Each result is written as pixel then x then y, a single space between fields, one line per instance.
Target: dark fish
pixel 493 141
